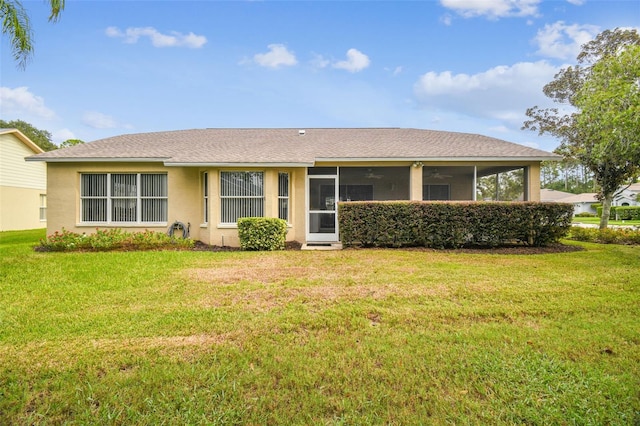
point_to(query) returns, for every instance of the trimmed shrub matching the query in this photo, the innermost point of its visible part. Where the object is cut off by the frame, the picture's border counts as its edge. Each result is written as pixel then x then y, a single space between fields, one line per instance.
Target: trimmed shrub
pixel 627 213
pixel 585 214
pixel 111 239
pixel 452 224
pixel 262 233
pixel 622 213
pixel 606 236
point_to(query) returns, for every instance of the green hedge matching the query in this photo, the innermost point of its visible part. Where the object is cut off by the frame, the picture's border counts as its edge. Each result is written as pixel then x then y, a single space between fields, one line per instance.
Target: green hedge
pixel 622 212
pixel 606 236
pixel 452 224
pixel 262 233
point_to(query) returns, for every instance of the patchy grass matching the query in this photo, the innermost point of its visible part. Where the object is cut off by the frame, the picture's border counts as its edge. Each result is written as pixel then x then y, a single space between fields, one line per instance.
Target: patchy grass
pixel 295 337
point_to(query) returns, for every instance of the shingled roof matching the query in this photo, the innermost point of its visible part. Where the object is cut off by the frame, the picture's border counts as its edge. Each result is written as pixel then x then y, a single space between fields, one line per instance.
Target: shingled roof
pixel 295 147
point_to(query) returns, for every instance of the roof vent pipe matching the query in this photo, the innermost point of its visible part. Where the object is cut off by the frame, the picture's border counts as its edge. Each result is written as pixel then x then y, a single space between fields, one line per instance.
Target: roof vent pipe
pixel 301 132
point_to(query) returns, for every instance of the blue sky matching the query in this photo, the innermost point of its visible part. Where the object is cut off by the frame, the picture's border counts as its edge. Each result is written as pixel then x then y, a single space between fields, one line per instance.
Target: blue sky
pixel 113 67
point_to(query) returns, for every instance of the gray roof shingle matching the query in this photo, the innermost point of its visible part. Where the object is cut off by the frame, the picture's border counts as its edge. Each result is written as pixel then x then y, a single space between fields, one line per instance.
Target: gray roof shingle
pixel 288 146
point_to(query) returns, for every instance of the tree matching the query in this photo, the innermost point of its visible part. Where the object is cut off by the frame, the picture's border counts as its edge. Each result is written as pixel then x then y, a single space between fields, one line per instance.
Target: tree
pixel 17 26
pixel 599 128
pixel 71 142
pixel 42 138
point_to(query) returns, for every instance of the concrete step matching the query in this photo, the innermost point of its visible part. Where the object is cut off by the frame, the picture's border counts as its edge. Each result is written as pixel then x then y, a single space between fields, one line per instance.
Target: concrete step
pixel 321 246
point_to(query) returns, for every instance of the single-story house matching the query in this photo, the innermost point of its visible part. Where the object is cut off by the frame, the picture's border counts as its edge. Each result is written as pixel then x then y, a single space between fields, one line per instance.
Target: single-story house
pixel 208 178
pixel 553 195
pixel 582 203
pixel 23 186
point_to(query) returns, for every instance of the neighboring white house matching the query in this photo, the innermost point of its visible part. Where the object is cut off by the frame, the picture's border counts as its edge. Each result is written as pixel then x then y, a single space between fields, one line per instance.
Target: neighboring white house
pixel 584 203
pixel 23 185
pixel 628 196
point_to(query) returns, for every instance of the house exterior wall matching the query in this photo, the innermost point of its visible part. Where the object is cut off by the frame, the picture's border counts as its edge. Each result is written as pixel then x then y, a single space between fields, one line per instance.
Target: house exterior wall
pixel 216 233
pixel 584 207
pixel 21 184
pixel 20 208
pixel 186 198
pixel 63 192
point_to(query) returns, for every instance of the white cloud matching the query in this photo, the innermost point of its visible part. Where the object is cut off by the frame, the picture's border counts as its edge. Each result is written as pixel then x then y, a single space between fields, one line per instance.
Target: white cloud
pixel 562 41
pixel 501 93
pixel 446 19
pixel 62 135
pixel 356 61
pixel 98 120
pixel 319 61
pixel 492 9
pixel 576 2
pixel 20 101
pixel 277 56
pixel 173 39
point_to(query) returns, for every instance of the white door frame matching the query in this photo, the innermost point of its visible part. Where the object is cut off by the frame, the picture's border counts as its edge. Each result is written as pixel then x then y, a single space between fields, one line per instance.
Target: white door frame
pixel 324 236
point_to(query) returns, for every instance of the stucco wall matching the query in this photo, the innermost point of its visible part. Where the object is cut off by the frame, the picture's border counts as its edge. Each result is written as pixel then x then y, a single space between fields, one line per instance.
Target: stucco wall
pixel 216 233
pixel 21 184
pixel 20 209
pixel 63 192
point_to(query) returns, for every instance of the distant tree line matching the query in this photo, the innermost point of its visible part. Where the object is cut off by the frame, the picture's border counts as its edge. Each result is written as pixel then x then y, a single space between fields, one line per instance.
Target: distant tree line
pixel 568 175
pixel 42 138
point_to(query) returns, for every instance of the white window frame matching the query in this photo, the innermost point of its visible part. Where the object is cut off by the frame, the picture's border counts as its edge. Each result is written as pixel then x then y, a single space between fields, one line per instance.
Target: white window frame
pixel 284 193
pixel 138 199
pixel 43 207
pixel 254 200
pixel 205 198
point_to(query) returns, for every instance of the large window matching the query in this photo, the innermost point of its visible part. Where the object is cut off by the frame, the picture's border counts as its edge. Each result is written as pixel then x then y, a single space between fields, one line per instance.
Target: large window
pixel 241 195
pixel 123 197
pixel 283 196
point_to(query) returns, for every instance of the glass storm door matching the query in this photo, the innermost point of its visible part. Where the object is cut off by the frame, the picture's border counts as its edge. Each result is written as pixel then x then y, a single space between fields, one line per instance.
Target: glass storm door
pixel 322 219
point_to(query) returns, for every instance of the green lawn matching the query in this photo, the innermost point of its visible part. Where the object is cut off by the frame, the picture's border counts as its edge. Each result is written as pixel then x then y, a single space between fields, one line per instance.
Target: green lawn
pixel 335 337
pixel 596 221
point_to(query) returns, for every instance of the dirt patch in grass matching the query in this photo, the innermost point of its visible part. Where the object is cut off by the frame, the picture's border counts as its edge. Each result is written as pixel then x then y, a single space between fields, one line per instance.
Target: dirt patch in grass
pixel 272 281
pixel 508 249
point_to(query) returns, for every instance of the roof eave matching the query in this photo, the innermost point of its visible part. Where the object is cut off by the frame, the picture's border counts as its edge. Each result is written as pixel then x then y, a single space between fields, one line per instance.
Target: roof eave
pixel 236 164
pixel 437 159
pixel 96 159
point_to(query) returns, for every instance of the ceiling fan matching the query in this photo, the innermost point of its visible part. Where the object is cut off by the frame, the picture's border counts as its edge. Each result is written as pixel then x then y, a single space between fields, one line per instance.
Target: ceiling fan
pixel 435 174
pixel 371 175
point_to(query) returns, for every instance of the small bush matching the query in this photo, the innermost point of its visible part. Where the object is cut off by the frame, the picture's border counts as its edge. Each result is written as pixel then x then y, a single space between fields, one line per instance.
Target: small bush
pixel 585 214
pixel 111 239
pixel 262 233
pixel 606 236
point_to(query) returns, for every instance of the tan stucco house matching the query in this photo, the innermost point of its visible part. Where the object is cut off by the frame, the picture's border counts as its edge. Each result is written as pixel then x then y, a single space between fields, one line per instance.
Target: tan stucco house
pixel 208 178
pixel 23 186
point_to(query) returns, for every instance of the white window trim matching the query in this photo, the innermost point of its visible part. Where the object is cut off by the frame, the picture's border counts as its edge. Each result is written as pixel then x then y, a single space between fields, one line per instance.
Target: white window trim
pixel 231 225
pixel 285 197
pixel 43 207
pixel 109 198
pixel 206 195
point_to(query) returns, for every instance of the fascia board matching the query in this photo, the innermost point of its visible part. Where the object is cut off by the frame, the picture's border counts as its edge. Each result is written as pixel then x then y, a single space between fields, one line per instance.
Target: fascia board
pixel 95 160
